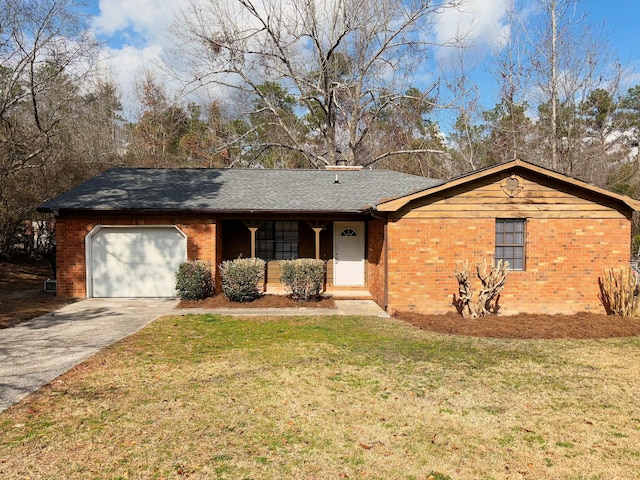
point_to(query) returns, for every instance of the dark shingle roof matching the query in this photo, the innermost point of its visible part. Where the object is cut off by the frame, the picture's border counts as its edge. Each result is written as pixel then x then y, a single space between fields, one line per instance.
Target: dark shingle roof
pixel 238 190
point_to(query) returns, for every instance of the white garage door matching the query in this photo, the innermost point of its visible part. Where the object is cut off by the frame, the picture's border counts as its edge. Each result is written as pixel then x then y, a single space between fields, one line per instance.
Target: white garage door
pixel 136 262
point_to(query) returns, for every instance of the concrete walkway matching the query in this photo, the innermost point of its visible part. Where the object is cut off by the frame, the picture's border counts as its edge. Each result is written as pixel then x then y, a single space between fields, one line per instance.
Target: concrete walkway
pixel 35 352
pixel 366 308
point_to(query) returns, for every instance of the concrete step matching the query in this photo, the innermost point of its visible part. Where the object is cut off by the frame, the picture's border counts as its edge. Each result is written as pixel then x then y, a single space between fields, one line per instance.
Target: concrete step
pixel 350 294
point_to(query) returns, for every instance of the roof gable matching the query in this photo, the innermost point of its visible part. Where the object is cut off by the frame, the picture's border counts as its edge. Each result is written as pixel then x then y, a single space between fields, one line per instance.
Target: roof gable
pixel 514 166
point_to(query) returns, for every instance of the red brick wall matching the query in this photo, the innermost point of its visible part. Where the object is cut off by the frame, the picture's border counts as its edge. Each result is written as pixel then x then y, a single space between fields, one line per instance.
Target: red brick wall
pixel 71 232
pixel 564 258
pixel 70 257
pixel 375 260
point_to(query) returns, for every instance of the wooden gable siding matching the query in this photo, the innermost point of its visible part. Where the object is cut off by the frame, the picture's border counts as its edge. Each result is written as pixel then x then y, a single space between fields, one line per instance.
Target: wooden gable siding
pixel 539 198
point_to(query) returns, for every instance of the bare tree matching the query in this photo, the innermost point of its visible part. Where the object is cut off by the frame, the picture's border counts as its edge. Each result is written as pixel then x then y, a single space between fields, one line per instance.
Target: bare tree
pixel 96 127
pixel 45 57
pixel 568 58
pixel 45 51
pixel 508 124
pixel 467 133
pixel 347 62
pixel 155 138
pixel 492 279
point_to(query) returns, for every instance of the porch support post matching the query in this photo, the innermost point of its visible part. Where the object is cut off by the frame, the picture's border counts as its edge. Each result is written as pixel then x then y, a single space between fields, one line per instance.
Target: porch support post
pixel 317 227
pixel 253 231
pixel 317 230
pixel 253 227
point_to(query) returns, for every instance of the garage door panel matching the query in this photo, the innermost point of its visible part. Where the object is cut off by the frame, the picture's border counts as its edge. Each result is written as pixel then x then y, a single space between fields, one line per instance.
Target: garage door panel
pixel 136 262
pixel 149 285
pixel 137 253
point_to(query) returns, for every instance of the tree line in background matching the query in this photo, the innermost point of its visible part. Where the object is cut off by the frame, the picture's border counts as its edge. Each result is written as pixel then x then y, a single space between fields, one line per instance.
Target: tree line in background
pixel 308 84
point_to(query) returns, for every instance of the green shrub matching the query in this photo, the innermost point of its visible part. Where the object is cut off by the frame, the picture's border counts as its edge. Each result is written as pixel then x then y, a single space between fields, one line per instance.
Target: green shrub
pixel 194 280
pixel 304 277
pixel 240 278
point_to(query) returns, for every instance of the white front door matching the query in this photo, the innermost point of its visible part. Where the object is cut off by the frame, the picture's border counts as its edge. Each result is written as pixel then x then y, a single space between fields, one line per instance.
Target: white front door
pixel 348 254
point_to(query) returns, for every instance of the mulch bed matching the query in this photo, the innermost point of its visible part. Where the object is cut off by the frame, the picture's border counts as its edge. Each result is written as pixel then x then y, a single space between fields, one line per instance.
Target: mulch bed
pixel 579 326
pixel 265 301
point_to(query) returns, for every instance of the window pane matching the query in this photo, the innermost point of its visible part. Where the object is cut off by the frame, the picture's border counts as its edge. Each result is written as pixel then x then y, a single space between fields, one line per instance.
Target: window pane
pixel 508 238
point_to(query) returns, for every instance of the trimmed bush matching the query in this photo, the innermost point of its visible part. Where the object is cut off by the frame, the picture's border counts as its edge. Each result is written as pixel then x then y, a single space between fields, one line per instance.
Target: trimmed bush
pixel 304 277
pixel 194 280
pixel 240 278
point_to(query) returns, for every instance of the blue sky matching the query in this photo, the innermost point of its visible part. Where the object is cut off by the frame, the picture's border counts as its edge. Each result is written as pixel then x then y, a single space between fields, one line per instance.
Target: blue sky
pixel 623 23
pixel 135 32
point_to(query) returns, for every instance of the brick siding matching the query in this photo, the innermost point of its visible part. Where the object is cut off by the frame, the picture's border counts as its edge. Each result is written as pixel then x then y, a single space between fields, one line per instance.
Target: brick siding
pixel 564 258
pixel 71 233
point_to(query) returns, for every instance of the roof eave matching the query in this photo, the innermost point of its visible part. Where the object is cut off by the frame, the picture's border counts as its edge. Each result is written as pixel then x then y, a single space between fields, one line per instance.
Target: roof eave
pixel 239 211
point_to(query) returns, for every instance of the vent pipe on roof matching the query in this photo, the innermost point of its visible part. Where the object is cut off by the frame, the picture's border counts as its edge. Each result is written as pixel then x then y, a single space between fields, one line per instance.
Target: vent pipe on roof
pixel 336 180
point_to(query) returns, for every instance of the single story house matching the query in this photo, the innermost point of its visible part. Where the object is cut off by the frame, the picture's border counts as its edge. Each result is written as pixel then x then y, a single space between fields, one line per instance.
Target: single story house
pixel 396 236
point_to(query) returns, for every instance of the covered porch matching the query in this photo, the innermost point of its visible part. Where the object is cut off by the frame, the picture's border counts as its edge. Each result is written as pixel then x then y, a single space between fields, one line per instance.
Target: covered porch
pixel 340 243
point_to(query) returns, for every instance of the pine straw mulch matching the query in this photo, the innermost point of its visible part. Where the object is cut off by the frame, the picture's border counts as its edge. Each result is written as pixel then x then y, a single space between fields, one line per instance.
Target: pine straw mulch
pixel 582 325
pixel 264 301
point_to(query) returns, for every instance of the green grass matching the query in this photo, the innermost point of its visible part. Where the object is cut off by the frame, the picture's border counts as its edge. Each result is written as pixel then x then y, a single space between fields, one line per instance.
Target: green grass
pixel 334 397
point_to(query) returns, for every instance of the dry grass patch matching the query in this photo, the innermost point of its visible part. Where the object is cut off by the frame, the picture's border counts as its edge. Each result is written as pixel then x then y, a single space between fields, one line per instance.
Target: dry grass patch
pixel 217 397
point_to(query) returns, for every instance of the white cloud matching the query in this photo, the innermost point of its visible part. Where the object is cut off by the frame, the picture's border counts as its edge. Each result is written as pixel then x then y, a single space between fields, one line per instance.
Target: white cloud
pixel 630 76
pixel 126 64
pixel 481 25
pixel 144 17
pixel 135 32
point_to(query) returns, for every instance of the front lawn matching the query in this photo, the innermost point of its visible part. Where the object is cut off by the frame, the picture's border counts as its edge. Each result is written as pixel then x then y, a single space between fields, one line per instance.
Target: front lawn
pixel 336 397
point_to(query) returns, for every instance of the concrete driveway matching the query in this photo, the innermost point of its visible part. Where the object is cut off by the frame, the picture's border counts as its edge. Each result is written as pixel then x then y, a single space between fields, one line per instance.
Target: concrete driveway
pixel 35 352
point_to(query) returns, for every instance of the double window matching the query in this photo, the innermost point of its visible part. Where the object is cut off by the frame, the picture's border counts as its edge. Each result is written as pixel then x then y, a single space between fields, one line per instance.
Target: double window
pixel 277 241
pixel 510 234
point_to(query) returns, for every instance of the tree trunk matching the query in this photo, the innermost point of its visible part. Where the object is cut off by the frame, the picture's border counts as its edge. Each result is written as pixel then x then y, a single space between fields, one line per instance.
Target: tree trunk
pixel 492 279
